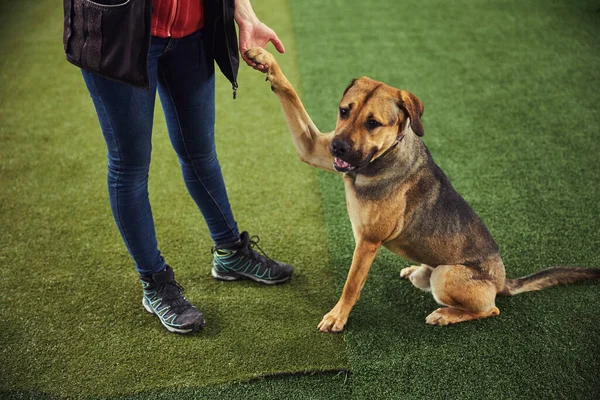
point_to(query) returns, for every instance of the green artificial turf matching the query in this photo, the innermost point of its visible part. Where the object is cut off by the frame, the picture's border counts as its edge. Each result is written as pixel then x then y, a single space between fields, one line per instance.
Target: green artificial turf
pixel 511 97
pixel 72 323
pixel 511 94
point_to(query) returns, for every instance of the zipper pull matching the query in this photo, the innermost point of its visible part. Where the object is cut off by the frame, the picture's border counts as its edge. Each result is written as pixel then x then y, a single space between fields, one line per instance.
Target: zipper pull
pixel 234 86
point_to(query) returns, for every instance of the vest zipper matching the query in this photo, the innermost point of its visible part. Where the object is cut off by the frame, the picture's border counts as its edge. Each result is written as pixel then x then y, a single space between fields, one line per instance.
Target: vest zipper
pixel 234 84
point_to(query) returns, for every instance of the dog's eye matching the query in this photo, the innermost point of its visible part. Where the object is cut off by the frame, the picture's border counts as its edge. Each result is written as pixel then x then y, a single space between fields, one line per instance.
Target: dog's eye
pixel 344 112
pixel 372 124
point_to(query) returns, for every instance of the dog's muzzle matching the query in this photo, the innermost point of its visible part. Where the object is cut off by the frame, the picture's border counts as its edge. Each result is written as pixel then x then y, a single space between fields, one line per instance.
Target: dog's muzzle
pixel 346 159
pixel 343 155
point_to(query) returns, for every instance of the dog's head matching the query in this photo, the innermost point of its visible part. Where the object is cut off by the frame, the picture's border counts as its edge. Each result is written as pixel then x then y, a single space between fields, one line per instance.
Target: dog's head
pixel 372 118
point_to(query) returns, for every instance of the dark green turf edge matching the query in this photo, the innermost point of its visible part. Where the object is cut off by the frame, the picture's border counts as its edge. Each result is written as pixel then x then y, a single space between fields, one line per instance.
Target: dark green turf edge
pixel 72 322
pixel 511 115
pixel 325 386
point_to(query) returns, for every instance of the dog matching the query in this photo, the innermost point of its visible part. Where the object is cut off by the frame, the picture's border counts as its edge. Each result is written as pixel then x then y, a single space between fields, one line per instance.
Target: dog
pixel 398 197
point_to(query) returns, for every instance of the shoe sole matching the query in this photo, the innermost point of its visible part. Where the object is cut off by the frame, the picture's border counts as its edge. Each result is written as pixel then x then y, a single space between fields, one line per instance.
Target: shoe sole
pixel 236 276
pixel 170 328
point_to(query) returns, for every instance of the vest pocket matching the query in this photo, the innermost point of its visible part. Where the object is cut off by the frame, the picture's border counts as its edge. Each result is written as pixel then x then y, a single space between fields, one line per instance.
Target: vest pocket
pixel 109 37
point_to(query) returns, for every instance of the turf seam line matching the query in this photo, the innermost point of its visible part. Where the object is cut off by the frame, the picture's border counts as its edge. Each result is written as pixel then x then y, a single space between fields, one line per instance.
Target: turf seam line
pixel 334 372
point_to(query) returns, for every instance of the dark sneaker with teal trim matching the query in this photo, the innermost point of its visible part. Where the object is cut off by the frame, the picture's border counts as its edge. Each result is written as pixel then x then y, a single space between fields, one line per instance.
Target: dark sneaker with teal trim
pixel 162 297
pixel 233 261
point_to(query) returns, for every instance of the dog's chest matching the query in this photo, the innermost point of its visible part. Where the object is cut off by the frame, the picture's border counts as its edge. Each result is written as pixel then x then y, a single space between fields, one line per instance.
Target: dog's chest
pixel 374 219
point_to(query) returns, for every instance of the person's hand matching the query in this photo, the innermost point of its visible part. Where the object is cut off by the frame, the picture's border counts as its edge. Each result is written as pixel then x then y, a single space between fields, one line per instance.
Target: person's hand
pixel 257 34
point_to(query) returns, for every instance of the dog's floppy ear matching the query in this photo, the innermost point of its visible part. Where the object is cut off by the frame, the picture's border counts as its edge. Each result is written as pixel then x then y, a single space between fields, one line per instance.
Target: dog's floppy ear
pixel 414 108
pixel 349 86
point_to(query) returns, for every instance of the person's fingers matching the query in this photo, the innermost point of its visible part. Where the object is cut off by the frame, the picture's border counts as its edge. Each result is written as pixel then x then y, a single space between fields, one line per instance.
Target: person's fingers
pixel 246 59
pixel 256 66
pixel 277 43
pixel 243 50
pixel 261 67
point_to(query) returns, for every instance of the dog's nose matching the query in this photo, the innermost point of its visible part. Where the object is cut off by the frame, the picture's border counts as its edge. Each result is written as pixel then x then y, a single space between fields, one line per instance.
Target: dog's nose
pixel 339 148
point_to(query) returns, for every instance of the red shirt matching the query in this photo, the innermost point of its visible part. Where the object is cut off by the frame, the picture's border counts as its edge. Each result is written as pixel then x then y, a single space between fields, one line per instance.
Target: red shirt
pixel 176 18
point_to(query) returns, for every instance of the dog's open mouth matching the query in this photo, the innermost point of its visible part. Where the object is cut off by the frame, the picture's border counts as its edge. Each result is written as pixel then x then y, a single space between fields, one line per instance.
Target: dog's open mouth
pixel 342 166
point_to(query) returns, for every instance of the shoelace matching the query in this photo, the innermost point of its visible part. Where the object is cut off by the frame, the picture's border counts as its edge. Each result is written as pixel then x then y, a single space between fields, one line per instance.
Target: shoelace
pixel 248 248
pixel 170 292
pixel 262 258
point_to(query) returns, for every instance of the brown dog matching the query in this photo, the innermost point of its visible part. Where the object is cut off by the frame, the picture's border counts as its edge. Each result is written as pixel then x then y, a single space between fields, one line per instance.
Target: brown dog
pixel 398 197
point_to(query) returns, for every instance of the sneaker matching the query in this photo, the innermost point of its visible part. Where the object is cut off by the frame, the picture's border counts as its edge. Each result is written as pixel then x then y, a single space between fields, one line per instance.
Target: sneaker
pixel 162 297
pixel 233 261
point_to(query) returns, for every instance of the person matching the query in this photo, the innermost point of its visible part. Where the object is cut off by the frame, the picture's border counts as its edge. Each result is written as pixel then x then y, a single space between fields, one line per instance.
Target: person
pixel 127 50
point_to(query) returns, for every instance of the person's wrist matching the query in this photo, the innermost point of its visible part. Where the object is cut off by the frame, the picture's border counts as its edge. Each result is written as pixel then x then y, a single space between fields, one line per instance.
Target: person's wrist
pixel 246 20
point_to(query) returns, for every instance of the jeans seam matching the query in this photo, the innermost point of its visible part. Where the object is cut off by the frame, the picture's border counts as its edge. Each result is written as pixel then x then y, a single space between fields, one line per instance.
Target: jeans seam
pixel 127 241
pixel 232 231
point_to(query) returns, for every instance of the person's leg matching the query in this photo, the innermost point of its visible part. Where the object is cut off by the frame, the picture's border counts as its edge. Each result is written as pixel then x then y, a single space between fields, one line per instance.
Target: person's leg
pixel 126 114
pixel 186 85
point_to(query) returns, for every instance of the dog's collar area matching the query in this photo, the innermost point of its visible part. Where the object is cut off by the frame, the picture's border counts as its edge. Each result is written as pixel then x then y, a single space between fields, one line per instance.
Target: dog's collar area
pixel 392 147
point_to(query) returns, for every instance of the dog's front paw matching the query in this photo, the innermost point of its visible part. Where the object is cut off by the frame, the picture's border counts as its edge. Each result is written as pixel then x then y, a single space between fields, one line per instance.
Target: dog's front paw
pixel 334 321
pixel 261 56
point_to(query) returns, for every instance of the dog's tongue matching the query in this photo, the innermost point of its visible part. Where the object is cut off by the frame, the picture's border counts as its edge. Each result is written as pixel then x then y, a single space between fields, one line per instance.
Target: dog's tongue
pixel 341 163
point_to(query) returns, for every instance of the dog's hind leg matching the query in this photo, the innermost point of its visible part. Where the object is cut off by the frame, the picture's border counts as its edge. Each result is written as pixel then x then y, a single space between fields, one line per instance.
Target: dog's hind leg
pixel 468 293
pixel 418 275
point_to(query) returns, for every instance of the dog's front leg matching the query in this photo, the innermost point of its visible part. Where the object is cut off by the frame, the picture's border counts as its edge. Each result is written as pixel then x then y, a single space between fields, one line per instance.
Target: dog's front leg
pixel 311 145
pixel 364 254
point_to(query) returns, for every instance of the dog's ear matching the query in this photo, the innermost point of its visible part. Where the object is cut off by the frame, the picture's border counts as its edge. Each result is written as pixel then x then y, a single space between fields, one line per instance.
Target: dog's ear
pixel 414 108
pixel 349 86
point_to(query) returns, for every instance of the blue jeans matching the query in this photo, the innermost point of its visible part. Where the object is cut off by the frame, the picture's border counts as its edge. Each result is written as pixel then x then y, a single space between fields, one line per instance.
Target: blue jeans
pixel 186 86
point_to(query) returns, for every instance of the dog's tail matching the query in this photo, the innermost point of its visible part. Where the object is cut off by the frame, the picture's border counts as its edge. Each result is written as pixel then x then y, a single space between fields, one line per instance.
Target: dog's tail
pixel 547 278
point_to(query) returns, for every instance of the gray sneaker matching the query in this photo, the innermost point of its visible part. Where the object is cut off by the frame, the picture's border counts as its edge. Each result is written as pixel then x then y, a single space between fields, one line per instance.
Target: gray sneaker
pixel 162 297
pixel 234 261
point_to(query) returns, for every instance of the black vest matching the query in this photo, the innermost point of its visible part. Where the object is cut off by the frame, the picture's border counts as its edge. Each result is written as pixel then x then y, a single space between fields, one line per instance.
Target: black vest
pixel 112 38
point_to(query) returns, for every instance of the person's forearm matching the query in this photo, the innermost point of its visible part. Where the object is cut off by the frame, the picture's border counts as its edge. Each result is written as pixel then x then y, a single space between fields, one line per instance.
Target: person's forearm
pixel 244 14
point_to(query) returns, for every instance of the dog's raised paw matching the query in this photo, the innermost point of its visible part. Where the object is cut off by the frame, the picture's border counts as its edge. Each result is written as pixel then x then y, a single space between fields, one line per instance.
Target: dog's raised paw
pixel 260 56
